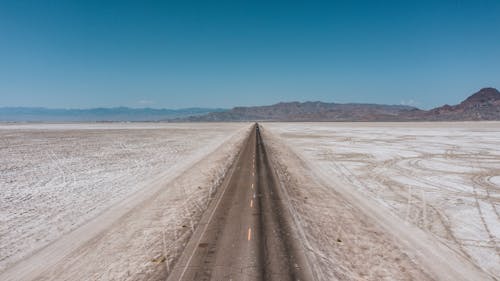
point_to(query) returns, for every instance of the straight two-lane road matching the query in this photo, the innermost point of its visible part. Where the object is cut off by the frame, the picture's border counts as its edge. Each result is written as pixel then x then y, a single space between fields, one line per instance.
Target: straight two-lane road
pixel 246 233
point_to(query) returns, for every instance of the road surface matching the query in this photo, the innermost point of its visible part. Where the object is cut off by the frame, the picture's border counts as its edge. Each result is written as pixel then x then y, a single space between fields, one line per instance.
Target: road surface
pixel 246 233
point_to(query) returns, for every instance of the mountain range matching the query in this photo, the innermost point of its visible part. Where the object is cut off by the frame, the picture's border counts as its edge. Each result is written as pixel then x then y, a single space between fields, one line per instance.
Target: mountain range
pixel 116 114
pixel 309 111
pixel 483 105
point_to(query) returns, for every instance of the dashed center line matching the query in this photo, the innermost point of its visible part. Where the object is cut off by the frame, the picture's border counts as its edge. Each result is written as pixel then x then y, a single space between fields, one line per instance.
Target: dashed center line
pixel 251 203
pixel 249 233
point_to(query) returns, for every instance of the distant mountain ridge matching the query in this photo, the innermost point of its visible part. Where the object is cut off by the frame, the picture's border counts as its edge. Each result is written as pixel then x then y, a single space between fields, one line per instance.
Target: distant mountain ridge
pixel 483 105
pixel 116 114
pixel 308 111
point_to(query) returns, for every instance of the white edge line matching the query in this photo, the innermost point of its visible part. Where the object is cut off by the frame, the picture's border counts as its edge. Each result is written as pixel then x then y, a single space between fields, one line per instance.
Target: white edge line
pixel 204 230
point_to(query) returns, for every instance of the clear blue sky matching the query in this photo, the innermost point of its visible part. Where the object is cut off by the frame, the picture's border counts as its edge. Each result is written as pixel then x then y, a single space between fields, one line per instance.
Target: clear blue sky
pixel 81 54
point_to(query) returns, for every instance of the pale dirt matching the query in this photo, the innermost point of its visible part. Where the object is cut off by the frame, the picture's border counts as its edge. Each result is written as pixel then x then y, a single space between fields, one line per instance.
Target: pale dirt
pixel 372 201
pixel 134 236
pixel 345 197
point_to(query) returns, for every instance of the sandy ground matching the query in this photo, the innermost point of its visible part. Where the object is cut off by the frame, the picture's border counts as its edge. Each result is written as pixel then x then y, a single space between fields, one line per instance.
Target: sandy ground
pixel 73 199
pixel 394 201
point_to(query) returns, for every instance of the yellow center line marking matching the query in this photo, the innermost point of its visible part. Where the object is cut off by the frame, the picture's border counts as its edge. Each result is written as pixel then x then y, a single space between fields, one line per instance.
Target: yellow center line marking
pixel 249 234
pixel 251 203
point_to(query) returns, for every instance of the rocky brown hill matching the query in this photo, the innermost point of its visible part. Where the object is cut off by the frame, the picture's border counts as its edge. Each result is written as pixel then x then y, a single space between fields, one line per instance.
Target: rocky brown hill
pixel 483 105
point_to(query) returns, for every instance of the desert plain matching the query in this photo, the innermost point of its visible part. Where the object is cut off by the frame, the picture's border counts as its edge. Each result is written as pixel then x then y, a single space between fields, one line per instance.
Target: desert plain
pixel 370 201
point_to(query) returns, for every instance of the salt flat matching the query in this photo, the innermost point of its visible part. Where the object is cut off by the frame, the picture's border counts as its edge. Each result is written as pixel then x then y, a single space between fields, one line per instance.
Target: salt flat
pixel 442 178
pixel 55 178
pixel 371 201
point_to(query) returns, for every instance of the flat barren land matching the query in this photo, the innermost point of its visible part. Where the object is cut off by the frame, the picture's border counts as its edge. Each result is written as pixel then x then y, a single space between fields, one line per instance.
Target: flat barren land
pixel 63 185
pixel 394 200
pixel 238 201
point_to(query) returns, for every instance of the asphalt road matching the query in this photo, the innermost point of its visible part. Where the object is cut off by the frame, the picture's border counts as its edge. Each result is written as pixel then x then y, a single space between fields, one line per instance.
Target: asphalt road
pixel 246 233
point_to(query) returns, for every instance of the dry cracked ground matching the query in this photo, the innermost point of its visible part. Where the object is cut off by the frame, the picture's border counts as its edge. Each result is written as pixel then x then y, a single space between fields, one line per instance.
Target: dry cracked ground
pixel 371 201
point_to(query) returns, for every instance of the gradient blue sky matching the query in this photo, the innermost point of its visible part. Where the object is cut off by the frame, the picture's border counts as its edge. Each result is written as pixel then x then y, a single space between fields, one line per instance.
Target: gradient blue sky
pixel 173 54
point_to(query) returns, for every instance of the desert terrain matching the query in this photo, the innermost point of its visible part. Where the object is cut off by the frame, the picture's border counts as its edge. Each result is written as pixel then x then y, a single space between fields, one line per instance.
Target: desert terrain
pixel 63 184
pixel 369 192
pixel 273 201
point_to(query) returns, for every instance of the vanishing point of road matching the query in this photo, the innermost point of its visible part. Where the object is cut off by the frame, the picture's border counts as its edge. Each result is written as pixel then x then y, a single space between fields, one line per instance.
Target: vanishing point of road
pixel 246 233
